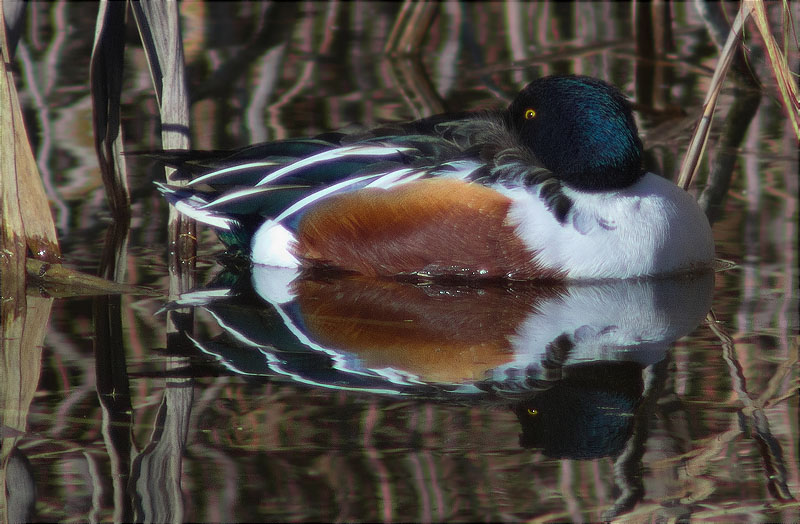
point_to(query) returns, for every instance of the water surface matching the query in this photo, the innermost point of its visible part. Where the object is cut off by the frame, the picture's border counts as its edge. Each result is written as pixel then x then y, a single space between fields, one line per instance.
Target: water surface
pixel 694 419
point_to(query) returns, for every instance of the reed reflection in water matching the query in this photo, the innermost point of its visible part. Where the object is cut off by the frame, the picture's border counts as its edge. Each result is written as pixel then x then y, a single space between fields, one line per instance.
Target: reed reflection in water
pixel 104 423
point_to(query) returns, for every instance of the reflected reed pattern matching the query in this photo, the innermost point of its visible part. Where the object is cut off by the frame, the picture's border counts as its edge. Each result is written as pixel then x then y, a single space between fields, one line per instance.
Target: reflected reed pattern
pixel 101 422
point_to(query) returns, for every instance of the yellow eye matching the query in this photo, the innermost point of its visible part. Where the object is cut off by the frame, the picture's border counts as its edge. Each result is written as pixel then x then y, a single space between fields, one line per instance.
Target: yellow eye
pixel 532 412
pixel 529 113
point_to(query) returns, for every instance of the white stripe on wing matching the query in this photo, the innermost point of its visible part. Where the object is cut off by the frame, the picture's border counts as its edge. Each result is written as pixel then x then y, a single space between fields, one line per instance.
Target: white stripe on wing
pixel 355 150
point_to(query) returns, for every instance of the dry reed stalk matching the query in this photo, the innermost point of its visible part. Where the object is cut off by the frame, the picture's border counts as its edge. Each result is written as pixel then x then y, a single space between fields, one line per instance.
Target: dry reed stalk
pixel 25 224
pixel 60 282
pixel 697 145
pixel 779 63
pixel 159 29
pixel 25 211
pixel 785 79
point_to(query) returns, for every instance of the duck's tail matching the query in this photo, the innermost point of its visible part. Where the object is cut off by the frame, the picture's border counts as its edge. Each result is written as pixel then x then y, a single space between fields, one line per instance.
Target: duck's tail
pixel 234 227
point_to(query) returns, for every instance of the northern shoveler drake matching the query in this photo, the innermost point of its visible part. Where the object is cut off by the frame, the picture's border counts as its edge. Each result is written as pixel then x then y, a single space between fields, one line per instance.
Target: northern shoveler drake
pixel 550 188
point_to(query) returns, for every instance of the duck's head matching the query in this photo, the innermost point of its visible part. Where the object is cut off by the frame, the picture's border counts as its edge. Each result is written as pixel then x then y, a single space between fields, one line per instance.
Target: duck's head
pixel 582 129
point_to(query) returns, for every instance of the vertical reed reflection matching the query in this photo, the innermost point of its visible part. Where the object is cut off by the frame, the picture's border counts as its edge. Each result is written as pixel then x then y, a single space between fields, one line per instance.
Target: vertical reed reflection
pixel 628 466
pixel 278 451
pixel 156 472
pixel 23 324
pixel 414 84
pixel 113 387
pixel 653 42
pixel 727 153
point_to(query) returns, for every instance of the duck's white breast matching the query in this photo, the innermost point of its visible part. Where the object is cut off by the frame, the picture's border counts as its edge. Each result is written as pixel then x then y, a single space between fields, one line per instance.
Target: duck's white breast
pixel 652 227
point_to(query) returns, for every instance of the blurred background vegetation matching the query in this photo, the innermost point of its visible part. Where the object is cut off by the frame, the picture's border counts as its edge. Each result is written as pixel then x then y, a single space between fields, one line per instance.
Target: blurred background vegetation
pixel 103 419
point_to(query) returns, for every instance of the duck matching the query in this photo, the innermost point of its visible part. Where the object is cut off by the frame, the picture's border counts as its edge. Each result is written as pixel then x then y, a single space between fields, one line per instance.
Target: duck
pixel 552 188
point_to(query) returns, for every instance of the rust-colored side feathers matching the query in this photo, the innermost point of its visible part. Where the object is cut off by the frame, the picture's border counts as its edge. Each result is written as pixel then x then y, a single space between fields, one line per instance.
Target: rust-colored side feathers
pixel 439 227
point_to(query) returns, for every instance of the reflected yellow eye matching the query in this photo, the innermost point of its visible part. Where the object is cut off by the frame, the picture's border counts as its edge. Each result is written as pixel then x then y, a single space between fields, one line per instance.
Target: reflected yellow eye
pixel 529 113
pixel 532 412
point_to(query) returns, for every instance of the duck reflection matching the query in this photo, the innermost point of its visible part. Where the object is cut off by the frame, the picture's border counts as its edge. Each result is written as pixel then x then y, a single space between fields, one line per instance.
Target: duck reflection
pixel 569 359
pixel 587 414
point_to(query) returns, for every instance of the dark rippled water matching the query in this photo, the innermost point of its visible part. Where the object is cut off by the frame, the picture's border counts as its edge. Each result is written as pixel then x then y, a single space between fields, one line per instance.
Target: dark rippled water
pixel 365 401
